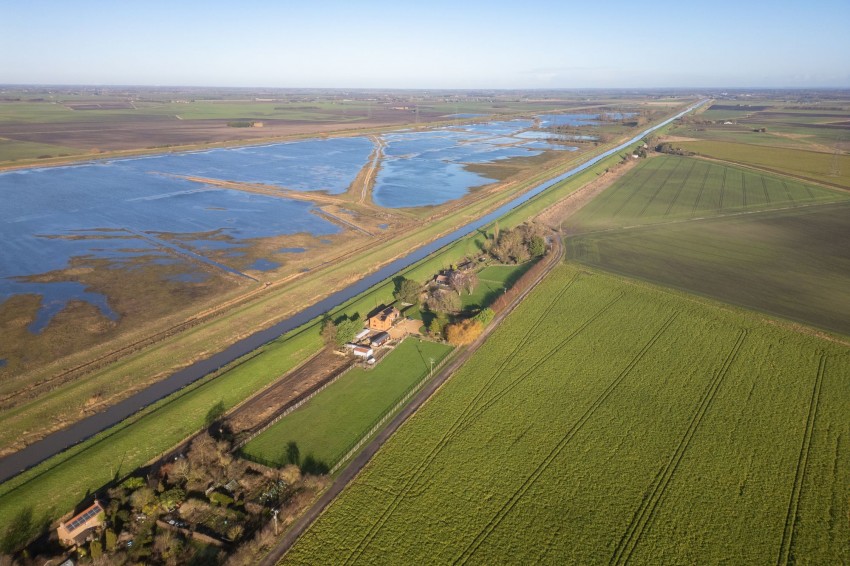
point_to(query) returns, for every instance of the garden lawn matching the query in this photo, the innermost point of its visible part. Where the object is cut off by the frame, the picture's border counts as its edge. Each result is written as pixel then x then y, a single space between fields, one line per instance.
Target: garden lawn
pixel 328 425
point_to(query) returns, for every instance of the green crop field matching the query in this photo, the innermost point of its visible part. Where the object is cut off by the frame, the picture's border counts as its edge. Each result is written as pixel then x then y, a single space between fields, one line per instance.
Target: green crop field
pixel 340 415
pixel 818 166
pixel 608 421
pixel 669 188
pixel 794 263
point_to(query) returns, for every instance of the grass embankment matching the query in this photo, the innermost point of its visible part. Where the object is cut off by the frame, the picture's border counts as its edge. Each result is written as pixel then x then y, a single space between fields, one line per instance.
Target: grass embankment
pixel 334 420
pixel 92 464
pixel 613 421
pixel 667 188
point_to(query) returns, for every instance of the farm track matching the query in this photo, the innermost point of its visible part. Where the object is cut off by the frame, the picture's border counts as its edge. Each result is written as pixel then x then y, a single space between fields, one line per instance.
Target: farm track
pixel 764 189
pixel 658 190
pixel 494 522
pixel 647 509
pixel 702 189
pixel 421 469
pixel 786 546
pixel 679 191
pixel 787 191
pixel 359 461
pixel 634 192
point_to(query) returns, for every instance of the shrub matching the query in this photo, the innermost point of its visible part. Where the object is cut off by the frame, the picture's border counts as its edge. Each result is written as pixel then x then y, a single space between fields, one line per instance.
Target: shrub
pixel 464 332
pixel 220 499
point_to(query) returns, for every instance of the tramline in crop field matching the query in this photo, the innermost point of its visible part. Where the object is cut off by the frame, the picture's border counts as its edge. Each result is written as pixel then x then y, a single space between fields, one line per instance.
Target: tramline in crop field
pixel 670 187
pixel 611 422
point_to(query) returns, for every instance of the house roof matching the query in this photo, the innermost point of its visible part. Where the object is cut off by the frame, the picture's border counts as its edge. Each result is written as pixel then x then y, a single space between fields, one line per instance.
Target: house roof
pixel 76 529
pixel 84 517
pixel 384 314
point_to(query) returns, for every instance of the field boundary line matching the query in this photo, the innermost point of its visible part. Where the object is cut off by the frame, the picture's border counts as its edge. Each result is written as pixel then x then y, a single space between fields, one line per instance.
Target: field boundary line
pixel 787 544
pixel 506 508
pixel 468 417
pixel 646 510
pixel 388 413
pixel 438 447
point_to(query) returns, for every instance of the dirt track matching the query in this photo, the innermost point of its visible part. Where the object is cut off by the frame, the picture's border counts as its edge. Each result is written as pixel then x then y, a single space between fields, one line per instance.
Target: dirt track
pixel 263 407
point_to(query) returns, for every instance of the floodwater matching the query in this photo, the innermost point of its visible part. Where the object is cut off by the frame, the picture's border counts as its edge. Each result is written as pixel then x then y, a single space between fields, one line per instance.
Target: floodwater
pixel 139 211
pixel 429 168
pixel 548 120
pixel 119 213
pixel 310 165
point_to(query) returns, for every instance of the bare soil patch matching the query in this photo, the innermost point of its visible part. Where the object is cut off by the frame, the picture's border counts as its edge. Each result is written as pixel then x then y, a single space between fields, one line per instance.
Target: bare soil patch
pixel 264 406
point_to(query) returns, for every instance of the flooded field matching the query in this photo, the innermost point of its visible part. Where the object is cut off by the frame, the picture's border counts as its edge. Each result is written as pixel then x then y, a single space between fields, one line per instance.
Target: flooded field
pixel 429 168
pixel 106 244
pixel 116 214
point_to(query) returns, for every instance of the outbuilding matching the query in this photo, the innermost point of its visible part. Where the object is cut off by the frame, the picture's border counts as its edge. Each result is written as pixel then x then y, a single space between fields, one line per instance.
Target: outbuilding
pixel 380 339
pixel 362 352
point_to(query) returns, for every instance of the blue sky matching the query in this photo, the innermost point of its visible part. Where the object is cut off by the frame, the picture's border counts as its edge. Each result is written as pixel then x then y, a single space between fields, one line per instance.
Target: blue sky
pixel 438 44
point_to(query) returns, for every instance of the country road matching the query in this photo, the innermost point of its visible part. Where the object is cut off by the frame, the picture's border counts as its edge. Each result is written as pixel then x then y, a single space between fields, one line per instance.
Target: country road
pixel 304 522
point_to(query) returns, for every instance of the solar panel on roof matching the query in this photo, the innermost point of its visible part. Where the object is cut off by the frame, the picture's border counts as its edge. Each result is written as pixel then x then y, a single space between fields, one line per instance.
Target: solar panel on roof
pixel 83 519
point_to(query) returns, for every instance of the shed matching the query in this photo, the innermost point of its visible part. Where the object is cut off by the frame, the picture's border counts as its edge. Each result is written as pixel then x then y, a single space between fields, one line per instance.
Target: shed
pixel 362 352
pixel 380 339
pixel 362 334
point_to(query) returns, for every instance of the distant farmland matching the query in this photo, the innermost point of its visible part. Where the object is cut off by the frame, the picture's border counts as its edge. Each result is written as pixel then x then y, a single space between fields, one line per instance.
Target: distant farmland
pixel 611 422
pixel 669 188
pixel 824 167
pixel 793 263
